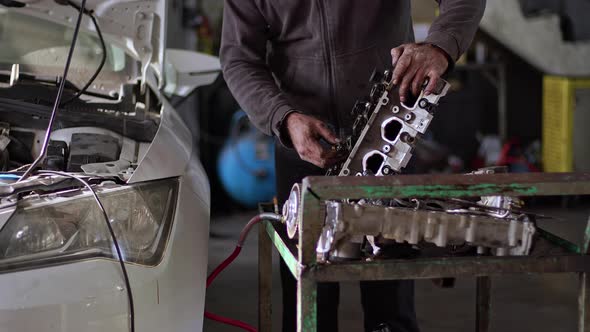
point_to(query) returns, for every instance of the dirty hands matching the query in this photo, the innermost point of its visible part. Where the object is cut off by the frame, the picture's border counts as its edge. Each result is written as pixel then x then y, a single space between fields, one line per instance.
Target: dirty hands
pixel 415 62
pixel 305 133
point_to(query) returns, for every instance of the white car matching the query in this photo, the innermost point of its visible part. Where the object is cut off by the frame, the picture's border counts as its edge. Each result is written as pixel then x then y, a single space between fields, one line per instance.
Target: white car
pixel 59 270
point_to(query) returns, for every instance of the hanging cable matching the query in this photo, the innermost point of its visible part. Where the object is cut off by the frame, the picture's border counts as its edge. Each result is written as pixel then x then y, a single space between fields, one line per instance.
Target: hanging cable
pixel 60 91
pixel 113 237
pixel 229 260
pixel 90 14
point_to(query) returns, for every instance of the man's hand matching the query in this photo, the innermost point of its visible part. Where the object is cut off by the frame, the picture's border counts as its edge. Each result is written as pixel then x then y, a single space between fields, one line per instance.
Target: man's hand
pixel 413 63
pixel 305 132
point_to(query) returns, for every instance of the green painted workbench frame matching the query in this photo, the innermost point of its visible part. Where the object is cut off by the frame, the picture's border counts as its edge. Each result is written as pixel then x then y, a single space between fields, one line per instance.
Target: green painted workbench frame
pixel 301 258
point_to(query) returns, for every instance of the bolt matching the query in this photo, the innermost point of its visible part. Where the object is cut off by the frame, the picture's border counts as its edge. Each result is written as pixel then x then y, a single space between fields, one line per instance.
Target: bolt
pixel 386 148
pixel 409 117
pixel 388 76
pixel 406 137
pixel 423 103
pixel 395 109
pixel 357 108
pixel 377 92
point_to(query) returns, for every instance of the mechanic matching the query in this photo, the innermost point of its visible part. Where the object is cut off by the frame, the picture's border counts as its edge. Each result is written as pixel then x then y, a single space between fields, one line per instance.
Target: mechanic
pixel 297 67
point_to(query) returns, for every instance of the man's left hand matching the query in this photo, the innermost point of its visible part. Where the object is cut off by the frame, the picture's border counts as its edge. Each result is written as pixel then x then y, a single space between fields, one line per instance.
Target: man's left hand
pixel 413 63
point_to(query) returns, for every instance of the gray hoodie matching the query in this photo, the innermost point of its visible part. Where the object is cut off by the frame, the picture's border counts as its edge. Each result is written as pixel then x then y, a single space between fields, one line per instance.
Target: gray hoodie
pixel 316 56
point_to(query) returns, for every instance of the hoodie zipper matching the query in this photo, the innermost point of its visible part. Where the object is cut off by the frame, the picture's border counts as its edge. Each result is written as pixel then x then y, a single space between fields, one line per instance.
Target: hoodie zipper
pixel 334 116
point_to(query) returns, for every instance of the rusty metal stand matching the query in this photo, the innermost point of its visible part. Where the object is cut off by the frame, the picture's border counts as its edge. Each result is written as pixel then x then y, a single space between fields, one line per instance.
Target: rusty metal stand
pixel 564 256
pixel 584 296
pixel 264 281
pixel 584 303
pixel 483 302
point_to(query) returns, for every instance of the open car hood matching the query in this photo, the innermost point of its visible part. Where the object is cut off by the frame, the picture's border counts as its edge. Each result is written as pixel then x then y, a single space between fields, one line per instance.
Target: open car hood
pixel 137 26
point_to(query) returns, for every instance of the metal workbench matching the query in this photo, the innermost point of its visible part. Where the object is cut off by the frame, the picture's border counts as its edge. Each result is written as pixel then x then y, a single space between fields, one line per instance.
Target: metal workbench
pixel 557 256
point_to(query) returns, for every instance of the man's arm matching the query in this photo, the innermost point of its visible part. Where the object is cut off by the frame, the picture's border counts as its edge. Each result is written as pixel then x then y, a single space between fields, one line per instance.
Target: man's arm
pixel 449 36
pixel 243 60
pixel 454 29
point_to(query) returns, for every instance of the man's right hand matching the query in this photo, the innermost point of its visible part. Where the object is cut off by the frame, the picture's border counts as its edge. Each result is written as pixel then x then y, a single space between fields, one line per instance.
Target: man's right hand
pixel 305 133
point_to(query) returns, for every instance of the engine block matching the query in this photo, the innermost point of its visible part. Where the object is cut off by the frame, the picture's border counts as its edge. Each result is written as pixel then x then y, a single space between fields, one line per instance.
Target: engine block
pixel 457 226
pixel 386 129
pixel 381 144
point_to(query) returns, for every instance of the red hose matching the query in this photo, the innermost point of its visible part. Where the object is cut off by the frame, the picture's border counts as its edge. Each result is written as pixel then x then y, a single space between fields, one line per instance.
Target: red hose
pixel 227 262
pixel 229 321
pixel 223 265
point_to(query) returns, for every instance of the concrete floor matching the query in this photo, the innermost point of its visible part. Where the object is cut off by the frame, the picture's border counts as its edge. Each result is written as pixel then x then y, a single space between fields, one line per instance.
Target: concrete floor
pixel 520 303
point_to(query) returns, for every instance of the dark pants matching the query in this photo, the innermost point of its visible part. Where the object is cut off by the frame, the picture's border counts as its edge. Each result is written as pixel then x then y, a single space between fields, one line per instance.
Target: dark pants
pixel 390 302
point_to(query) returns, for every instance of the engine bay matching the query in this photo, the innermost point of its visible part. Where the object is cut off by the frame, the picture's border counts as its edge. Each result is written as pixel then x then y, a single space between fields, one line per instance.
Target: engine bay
pixel 96 137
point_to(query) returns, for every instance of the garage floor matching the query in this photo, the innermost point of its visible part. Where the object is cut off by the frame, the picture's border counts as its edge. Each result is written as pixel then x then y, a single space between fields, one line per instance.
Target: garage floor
pixel 520 303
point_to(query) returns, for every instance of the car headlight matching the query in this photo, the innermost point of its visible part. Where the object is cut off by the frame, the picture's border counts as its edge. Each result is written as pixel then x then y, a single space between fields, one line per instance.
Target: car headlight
pixel 56 228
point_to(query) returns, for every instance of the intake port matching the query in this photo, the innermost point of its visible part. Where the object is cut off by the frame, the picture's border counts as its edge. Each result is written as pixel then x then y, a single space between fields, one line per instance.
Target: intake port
pixel 374 162
pixel 391 130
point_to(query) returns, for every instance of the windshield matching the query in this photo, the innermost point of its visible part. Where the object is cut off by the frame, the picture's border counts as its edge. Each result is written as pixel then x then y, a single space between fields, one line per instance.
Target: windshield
pixel 41 47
